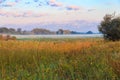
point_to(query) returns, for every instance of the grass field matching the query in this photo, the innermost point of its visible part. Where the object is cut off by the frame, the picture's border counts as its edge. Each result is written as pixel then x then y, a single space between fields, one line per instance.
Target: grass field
pixel 60 59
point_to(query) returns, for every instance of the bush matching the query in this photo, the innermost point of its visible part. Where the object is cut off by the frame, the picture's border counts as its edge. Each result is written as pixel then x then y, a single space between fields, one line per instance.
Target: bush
pixel 110 27
pixel 7 37
pixel 12 38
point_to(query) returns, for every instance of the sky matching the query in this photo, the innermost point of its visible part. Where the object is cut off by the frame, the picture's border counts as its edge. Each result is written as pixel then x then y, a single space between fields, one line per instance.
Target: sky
pixel 78 15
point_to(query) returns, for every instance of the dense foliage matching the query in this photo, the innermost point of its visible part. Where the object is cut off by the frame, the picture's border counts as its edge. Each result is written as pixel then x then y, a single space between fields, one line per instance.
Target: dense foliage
pixel 110 27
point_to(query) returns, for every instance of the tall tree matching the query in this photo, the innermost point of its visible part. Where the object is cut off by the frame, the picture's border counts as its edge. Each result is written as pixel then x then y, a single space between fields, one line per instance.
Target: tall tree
pixel 110 27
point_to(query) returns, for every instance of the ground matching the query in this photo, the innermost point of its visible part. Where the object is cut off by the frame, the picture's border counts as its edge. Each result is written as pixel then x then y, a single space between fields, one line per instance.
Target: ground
pixel 60 59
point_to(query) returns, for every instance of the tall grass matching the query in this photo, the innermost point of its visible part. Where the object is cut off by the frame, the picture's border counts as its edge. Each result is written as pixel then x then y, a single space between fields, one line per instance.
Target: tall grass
pixel 80 59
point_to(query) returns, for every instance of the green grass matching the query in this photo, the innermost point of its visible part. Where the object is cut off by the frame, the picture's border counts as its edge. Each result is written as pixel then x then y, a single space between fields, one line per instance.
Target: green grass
pixel 61 59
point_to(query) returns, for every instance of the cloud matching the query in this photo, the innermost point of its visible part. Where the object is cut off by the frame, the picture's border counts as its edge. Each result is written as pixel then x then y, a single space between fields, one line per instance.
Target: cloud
pixel 36 0
pixel 57 4
pixel 32 14
pixel 2 13
pixel 73 7
pixel 90 10
pixel 54 3
pixel 27 2
pixel 8 4
pixel 1 1
pixel 17 1
pixel 21 14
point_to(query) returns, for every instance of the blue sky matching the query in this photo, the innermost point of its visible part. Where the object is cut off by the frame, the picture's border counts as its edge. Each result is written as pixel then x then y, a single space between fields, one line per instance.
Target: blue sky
pixel 74 12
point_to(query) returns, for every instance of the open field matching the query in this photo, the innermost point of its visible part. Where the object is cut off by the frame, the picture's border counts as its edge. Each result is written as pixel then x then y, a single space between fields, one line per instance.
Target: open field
pixel 60 59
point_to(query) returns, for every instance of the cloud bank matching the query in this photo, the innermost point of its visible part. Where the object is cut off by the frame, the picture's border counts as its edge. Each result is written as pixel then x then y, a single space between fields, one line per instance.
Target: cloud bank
pixel 21 14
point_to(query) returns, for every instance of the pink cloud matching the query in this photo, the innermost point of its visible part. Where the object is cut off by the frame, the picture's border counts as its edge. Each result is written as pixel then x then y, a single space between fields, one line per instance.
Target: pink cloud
pixel 57 4
pixel 2 13
pixel 73 7
pixel 54 3
pixel 21 14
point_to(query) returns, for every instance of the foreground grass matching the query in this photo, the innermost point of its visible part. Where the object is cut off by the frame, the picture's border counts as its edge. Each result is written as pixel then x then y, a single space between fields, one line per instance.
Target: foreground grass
pixel 77 59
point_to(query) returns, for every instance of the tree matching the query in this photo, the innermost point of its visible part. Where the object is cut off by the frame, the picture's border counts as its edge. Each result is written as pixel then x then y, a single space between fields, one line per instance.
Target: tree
pixel 89 32
pixel 60 31
pixel 11 30
pixel 4 30
pixel 41 31
pixel 19 30
pixel 110 27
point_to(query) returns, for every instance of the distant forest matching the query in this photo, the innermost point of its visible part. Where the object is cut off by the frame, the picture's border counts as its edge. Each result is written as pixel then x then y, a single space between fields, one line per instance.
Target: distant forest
pixel 38 31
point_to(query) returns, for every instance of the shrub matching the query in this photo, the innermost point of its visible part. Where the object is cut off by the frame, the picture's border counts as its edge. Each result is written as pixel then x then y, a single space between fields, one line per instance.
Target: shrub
pixel 7 37
pixel 13 38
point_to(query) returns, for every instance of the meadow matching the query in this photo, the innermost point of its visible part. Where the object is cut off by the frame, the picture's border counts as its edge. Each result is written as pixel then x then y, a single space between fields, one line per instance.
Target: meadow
pixel 60 59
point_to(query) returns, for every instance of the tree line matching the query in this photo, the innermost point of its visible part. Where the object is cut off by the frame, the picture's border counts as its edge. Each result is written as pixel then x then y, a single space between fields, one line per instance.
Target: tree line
pixel 37 31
